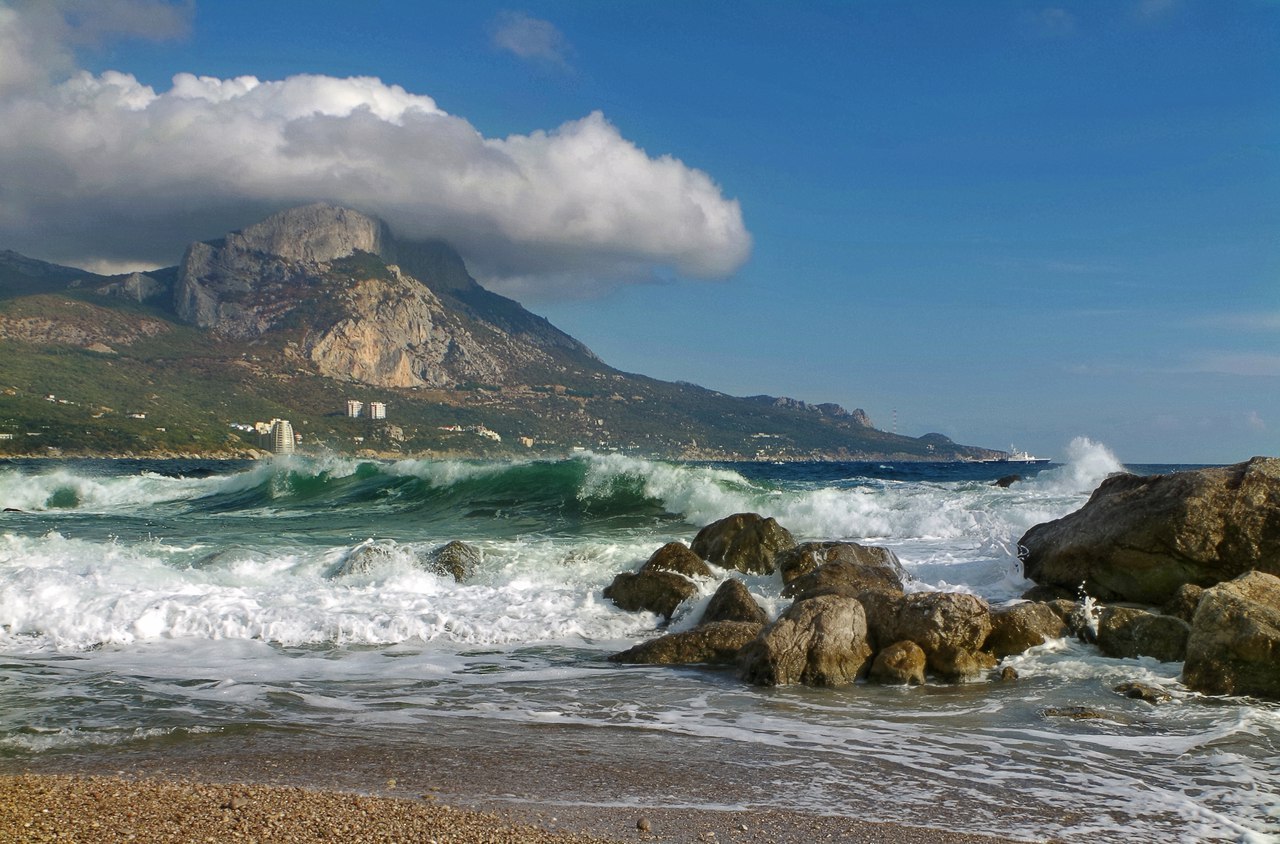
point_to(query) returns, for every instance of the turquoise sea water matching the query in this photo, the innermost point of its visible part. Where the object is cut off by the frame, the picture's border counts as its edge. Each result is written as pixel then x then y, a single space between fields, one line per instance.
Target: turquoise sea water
pixel 159 604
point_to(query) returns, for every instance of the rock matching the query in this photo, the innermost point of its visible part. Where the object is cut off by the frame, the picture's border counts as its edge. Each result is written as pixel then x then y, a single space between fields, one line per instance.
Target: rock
pixel 733 602
pixel 1007 481
pixel 1045 594
pixel 1008 674
pixel 643 825
pixel 900 664
pixel 1126 632
pixel 844 568
pixel 717 643
pixel 1140 538
pixel 1234 648
pixel 1144 691
pixel 747 542
pixel 949 626
pixel 455 559
pixel 365 557
pixel 1022 626
pixel 1184 602
pixel 1076 712
pixel 658 592
pixel 676 557
pixel 819 642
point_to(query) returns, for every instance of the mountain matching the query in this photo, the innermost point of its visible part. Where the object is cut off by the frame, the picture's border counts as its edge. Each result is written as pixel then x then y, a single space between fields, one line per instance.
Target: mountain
pixel 293 315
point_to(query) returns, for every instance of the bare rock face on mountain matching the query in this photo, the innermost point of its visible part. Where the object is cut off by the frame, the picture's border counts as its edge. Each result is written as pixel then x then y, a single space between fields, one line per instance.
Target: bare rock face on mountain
pixel 364 306
pixel 1141 538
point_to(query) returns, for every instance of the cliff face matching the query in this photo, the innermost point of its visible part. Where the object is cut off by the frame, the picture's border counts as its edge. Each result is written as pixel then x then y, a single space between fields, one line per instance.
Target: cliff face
pixel 369 308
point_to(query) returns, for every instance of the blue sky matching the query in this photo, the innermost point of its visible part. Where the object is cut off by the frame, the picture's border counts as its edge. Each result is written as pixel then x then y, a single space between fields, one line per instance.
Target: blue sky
pixel 1008 222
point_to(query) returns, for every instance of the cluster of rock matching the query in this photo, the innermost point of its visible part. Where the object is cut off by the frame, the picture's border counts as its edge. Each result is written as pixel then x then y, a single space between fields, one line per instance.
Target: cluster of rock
pixel 1186 563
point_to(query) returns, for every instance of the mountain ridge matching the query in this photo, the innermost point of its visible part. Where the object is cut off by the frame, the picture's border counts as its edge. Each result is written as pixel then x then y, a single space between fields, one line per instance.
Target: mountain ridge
pixel 287 316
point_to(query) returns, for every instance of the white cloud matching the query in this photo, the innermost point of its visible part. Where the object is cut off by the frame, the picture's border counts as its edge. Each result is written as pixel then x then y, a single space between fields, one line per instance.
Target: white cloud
pixel 531 38
pixel 105 169
pixel 1253 420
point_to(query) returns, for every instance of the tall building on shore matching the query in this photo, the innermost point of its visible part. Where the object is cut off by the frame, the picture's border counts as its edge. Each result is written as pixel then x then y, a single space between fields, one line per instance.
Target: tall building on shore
pixel 354 406
pixel 377 410
pixel 282 439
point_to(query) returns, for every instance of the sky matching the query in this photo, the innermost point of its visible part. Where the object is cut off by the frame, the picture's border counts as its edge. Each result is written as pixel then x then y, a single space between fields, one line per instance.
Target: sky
pixel 1013 223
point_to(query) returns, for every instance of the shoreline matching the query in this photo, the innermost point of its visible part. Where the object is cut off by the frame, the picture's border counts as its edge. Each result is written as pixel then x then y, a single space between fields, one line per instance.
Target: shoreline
pixel 117 808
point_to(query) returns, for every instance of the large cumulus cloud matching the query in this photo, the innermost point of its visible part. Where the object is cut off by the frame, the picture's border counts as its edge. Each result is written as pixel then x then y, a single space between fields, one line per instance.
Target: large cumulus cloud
pixel 102 170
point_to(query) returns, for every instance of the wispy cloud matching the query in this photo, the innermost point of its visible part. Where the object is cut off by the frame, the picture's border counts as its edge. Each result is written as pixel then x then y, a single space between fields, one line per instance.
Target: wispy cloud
pixel 1151 10
pixel 1055 21
pixel 1257 321
pixel 1254 422
pixel 1251 364
pixel 531 39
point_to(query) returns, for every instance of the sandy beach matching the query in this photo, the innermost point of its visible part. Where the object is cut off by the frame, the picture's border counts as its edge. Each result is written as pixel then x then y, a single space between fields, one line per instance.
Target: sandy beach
pixel 107 809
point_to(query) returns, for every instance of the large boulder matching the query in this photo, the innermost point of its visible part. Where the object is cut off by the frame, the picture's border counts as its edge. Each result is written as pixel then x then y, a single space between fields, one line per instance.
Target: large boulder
pixel 818 642
pixel 676 557
pixel 366 557
pixel 717 643
pixel 658 592
pixel 454 559
pixel 747 542
pixel 1022 626
pixel 733 602
pixel 1234 647
pixel 1140 538
pixel 900 664
pixel 1126 632
pixel 950 627
pixel 838 568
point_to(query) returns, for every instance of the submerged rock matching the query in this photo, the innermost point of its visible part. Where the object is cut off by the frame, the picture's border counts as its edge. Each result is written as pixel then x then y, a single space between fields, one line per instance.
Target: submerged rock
pixel 747 542
pixel 1234 648
pixel 365 557
pixel 1141 538
pixel 1143 691
pixel 658 592
pixel 818 642
pixel 455 559
pixel 717 643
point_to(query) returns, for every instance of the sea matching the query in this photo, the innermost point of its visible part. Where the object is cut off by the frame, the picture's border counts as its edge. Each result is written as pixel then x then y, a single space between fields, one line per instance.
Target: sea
pixel 162 608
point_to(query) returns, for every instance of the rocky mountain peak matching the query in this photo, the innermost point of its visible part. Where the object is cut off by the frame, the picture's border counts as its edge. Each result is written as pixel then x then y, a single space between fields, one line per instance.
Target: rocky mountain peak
pixel 319 233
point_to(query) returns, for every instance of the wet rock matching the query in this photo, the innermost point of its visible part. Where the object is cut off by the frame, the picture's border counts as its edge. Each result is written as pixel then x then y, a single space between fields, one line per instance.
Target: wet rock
pixel 733 602
pixel 950 627
pixel 839 568
pixel 1144 691
pixel 454 559
pixel 805 558
pixel 365 557
pixel 900 664
pixel 1126 632
pixel 717 643
pixel 1184 602
pixel 1007 481
pixel 676 557
pixel 1075 712
pixel 1140 538
pixel 819 642
pixel 1022 626
pixel 1234 647
pixel 1048 594
pixel 658 592
pixel 1008 674
pixel 747 542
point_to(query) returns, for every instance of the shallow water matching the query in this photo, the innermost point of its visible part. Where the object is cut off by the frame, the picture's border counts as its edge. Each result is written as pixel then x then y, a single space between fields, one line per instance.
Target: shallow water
pixel 149 604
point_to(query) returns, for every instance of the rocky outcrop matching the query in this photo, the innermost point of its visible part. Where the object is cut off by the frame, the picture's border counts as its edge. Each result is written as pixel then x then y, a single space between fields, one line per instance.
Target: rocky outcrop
pixel 796 562
pixel 1022 626
pixel 1141 538
pixel 1234 648
pixel 747 542
pixel 717 643
pixel 733 602
pixel 676 557
pixel 1127 632
pixel 818 642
